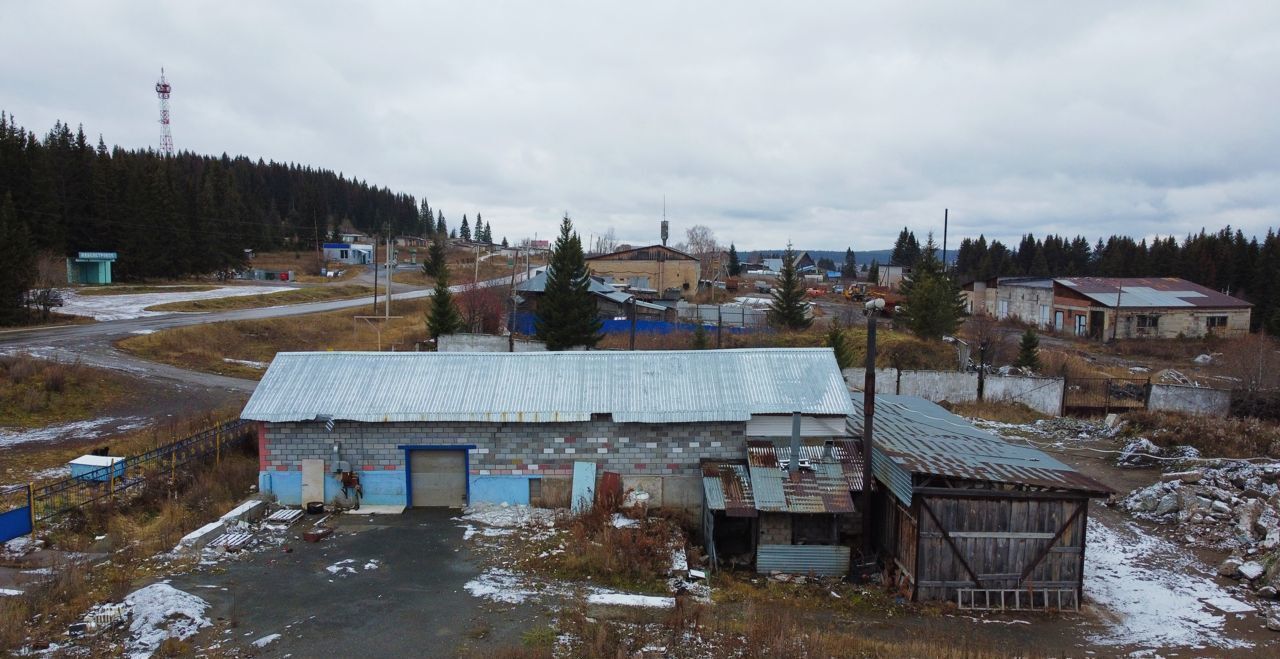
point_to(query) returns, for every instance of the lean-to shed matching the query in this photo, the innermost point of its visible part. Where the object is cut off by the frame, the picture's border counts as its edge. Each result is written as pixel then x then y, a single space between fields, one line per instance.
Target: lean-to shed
pixel 970 517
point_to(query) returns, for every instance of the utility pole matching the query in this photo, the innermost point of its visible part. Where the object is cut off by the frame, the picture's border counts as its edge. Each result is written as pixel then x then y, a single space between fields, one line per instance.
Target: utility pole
pixel 475 278
pixel 511 319
pixel 868 415
pixel 982 369
pixel 375 275
pixel 944 239
pixel 387 305
pixel 1115 321
pixel 633 322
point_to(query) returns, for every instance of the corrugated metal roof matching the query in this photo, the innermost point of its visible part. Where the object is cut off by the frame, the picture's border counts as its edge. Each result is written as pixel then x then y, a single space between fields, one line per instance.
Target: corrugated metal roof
pixel 728 487
pixel 920 437
pixel 822 487
pixel 538 284
pixel 676 386
pixel 1150 292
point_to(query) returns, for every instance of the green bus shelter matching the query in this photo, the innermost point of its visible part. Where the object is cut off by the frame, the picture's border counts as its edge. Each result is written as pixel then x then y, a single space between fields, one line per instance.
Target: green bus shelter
pixel 90 268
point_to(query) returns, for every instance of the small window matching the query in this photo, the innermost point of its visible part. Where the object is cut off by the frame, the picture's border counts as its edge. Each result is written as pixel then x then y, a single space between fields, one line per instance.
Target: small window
pixel 1216 322
pixel 343 254
pixel 1148 322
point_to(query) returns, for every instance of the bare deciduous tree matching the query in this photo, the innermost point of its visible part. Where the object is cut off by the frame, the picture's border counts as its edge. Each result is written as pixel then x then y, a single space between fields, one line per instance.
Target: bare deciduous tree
pixel 605 243
pixel 701 242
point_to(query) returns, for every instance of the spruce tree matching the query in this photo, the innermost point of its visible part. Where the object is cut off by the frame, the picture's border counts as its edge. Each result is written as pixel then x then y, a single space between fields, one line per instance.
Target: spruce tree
pixel 700 341
pixel 873 273
pixel 441 228
pixel 850 267
pixel 735 265
pixel 17 269
pixel 788 310
pixel 436 261
pixel 1029 351
pixel 567 315
pixel 443 317
pixel 934 305
pixel 464 231
pixel 838 341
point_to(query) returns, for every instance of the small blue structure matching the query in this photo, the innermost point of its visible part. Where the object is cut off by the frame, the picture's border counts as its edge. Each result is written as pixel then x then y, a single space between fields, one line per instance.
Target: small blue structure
pixel 97 468
pixel 351 253
pixel 90 268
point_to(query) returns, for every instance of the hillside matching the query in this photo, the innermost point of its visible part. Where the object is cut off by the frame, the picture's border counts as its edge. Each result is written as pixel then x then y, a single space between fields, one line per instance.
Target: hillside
pixel 180 215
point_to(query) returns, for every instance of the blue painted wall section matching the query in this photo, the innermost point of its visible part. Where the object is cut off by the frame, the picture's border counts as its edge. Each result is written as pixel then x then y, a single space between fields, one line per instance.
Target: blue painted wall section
pixel 501 489
pixel 380 487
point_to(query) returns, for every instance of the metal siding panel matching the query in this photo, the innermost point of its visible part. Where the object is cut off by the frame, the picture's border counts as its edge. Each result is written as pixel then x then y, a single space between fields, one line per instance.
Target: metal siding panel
pixel 633 387
pixel 824 560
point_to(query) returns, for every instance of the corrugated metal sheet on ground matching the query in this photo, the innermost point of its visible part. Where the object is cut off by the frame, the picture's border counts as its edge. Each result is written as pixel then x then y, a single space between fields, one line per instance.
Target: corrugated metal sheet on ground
pixel 821 560
pixel 920 437
pixel 823 487
pixel 633 387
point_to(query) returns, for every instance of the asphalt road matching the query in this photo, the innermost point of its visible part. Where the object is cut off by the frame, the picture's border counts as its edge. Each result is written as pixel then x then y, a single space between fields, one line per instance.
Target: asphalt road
pixel 92 343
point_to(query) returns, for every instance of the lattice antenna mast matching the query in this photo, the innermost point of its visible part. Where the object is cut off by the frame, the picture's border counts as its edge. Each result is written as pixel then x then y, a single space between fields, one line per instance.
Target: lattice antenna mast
pixel 166 138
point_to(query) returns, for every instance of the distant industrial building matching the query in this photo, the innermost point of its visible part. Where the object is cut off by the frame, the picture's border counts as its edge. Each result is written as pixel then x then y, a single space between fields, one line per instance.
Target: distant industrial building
pixel 666 271
pixel 1107 307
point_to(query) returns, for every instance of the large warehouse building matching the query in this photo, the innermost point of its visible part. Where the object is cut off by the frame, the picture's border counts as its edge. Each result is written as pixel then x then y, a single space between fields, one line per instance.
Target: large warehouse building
pixel 449 429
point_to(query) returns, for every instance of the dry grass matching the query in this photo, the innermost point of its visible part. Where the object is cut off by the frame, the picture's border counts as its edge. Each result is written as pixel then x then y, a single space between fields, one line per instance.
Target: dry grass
pixel 292 296
pixel 1212 436
pixel 207 347
pixel 150 521
pixel 140 289
pixel 636 557
pixel 1004 412
pixel 1059 363
pixel 38 392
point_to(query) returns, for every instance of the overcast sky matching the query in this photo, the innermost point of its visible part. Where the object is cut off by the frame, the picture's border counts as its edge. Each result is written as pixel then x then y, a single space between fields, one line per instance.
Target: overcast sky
pixel 826 124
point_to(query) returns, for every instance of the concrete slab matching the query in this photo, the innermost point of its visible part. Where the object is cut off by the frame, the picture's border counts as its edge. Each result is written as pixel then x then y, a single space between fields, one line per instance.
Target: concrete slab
pixel 249 511
pixel 377 509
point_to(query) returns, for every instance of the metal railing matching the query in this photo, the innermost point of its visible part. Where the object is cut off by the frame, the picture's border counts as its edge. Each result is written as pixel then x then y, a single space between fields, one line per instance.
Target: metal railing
pixel 67 494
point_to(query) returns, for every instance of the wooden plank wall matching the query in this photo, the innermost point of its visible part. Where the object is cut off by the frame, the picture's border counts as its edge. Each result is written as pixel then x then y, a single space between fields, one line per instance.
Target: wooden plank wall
pixel 998 539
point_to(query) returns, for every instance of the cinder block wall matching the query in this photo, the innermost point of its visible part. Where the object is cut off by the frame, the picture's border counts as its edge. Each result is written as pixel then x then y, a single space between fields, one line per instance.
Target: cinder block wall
pixel 511 448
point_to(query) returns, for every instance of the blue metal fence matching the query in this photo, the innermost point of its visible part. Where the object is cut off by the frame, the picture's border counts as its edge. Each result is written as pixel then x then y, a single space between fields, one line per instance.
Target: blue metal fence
pixel 524 325
pixel 17 521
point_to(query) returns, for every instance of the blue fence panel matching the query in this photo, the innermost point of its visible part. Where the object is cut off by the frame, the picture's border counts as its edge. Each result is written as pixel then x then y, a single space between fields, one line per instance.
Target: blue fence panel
pixel 524 325
pixel 15 523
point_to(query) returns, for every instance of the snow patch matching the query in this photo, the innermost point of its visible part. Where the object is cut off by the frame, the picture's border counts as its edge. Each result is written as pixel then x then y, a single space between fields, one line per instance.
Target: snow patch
pixel 500 586
pixel 246 362
pixel 80 430
pixel 611 598
pixel 621 521
pixel 266 640
pixel 509 516
pixel 159 612
pixel 9 592
pixel 1155 589
pixel 124 307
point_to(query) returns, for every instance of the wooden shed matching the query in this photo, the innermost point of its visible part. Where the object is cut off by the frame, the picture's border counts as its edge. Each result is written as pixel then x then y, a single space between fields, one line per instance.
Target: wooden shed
pixel 966 516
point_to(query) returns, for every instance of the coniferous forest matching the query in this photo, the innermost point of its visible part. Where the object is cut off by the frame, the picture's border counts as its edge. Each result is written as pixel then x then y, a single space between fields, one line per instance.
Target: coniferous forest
pixel 180 215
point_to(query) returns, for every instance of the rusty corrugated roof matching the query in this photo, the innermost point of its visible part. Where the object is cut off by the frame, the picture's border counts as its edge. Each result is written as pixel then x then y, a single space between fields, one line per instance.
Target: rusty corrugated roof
pixel 822 485
pixel 923 438
pixel 728 487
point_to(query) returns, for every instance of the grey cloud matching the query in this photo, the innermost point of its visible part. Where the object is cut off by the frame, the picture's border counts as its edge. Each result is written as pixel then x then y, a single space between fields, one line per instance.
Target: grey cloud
pixel 827 124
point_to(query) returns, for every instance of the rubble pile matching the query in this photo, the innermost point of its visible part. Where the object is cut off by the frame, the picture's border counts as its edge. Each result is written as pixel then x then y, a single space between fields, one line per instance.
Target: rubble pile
pixel 1235 507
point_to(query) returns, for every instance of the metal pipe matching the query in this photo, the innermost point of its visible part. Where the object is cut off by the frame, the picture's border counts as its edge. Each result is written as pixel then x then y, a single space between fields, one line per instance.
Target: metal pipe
pixel 868 413
pixel 793 465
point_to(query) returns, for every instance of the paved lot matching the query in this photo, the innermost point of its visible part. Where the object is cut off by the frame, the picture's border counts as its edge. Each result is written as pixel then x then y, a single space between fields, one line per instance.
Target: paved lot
pixel 411 604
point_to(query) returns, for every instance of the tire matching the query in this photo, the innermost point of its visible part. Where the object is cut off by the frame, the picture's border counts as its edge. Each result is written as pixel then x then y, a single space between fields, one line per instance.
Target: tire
pixel 315 507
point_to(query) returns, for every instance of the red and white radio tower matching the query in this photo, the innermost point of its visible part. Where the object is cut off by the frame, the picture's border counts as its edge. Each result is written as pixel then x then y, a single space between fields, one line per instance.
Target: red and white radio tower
pixel 166 138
